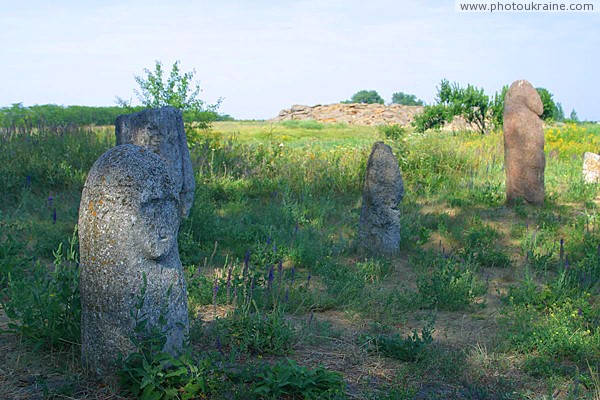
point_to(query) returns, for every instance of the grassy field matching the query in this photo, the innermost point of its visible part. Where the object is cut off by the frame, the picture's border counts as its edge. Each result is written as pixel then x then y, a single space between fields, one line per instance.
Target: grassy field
pixel 483 302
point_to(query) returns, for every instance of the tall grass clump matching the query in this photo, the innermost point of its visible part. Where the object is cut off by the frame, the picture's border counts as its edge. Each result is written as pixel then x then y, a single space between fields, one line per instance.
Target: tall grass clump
pixel 44 305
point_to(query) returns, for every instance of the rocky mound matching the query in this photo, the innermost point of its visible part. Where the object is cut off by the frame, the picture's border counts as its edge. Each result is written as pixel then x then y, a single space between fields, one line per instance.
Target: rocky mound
pixel 358 114
pixel 361 114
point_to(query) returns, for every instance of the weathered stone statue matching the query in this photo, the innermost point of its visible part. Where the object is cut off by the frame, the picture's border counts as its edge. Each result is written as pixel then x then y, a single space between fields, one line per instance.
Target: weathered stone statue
pixel 524 158
pixel 162 131
pixel 128 225
pixel 591 167
pixel 379 228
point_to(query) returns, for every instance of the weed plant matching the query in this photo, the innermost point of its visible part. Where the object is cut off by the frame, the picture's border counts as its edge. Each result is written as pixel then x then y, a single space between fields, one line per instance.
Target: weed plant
pixel 44 305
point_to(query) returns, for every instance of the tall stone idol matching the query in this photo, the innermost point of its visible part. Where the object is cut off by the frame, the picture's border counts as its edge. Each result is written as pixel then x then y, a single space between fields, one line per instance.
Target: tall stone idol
pixel 162 131
pixel 524 159
pixel 128 225
pixel 379 227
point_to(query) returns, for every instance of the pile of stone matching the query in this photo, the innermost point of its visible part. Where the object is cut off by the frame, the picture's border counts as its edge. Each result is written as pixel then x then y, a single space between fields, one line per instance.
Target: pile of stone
pixel 361 114
pixel 591 167
pixel 357 114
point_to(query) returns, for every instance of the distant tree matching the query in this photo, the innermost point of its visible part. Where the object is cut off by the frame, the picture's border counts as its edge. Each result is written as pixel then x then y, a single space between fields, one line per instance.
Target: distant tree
pixel 179 90
pixel 473 107
pixel 366 97
pixel 550 110
pixel 573 117
pixel 496 113
pixel 560 113
pixel 406 99
pixel 471 103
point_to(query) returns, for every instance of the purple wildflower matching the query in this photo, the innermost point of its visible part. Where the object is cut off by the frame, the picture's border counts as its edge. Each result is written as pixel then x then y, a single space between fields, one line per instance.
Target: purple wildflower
pixel 308 280
pixel 50 200
pixel 54 216
pixel 271 277
pixel 274 248
pixel 28 181
pixel 293 274
pixel 246 258
pixel 580 312
pixel 280 267
pixel 287 295
pixel 268 240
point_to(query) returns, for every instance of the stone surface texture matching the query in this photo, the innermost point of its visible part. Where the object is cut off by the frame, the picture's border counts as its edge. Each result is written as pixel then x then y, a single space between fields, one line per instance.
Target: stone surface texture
pixel 379 227
pixel 128 225
pixel 591 167
pixel 524 158
pixel 162 131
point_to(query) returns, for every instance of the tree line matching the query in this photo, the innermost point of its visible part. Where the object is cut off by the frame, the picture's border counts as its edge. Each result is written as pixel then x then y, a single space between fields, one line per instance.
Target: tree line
pixel 18 118
pixel 481 111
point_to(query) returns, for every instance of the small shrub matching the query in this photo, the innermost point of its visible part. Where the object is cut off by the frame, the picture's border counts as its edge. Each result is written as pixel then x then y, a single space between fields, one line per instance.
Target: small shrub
pixel 250 331
pixel 409 348
pixel 287 379
pixel 557 320
pixel 488 194
pixel 432 117
pixel 392 132
pixel 449 285
pixel 479 247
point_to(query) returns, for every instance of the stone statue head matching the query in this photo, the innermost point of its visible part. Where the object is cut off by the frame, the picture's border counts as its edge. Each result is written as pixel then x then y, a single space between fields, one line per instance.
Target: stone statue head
pixel 522 93
pixel 132 203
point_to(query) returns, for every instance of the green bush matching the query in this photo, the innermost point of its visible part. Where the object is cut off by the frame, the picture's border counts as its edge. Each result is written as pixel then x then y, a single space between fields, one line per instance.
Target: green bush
pixel 550 109
pixel 432 117
pixel 249 330
pixel 449 285
pixel 409 348
pixel 287 379
pixel 479 247
pixel 392 132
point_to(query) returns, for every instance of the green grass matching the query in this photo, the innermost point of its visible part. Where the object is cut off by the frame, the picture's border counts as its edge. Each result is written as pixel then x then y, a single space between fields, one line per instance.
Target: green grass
pixel 273 228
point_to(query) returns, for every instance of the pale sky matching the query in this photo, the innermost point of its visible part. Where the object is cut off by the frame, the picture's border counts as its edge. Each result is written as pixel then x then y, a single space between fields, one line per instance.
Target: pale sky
pixel 261 56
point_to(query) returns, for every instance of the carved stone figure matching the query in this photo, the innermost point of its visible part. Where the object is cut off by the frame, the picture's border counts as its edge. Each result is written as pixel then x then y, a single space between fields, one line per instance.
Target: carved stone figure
pixel 129 259
pixel 379 228
pixel 524 158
